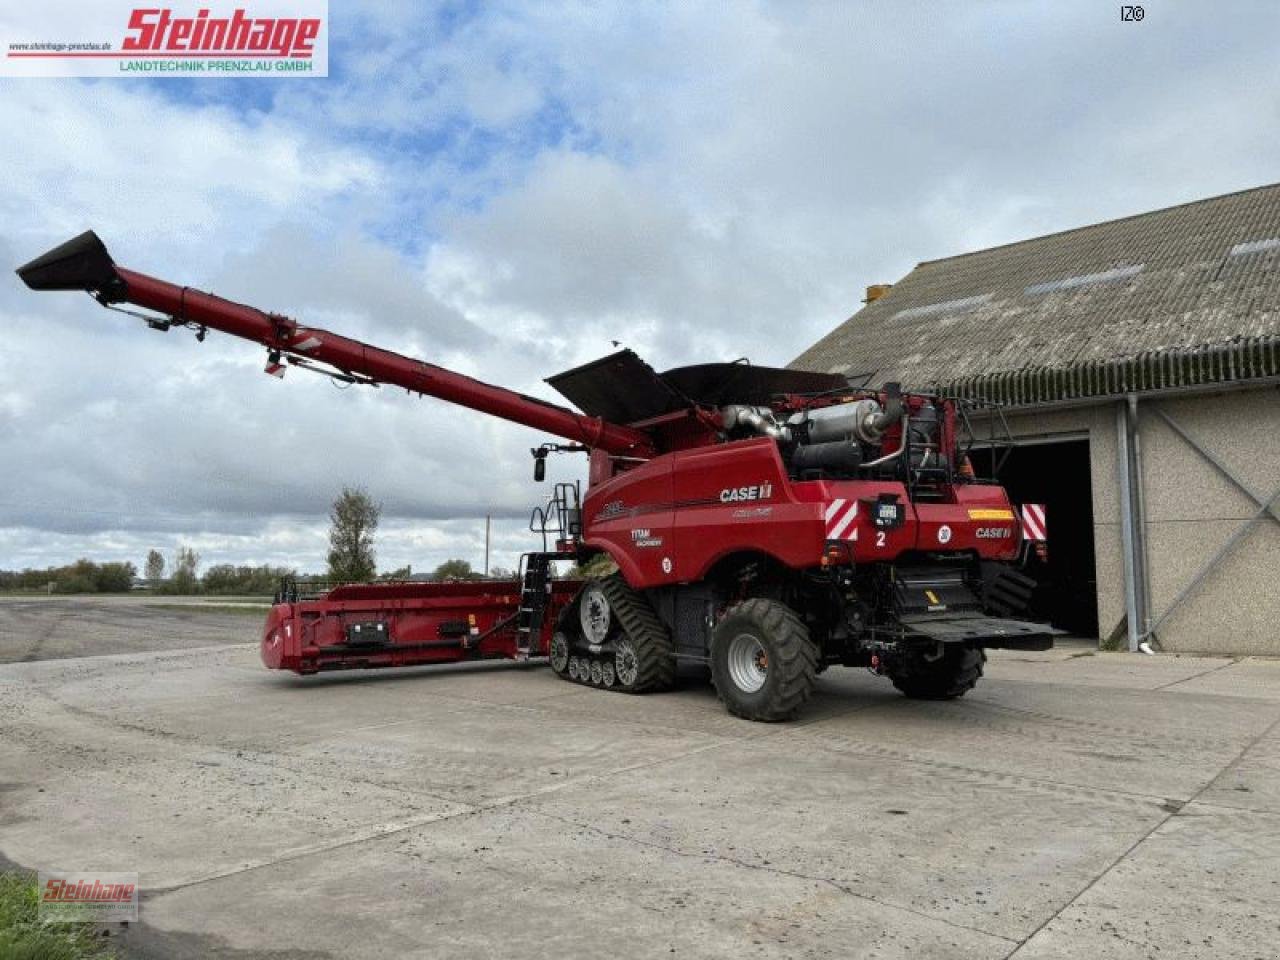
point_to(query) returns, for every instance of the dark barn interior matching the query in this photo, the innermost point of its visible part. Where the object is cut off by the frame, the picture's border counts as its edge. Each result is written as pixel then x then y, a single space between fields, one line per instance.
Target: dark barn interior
pixel 1056 474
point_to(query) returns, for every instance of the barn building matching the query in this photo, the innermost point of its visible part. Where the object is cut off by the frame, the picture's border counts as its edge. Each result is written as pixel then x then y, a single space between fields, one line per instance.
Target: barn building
pixel 1137 363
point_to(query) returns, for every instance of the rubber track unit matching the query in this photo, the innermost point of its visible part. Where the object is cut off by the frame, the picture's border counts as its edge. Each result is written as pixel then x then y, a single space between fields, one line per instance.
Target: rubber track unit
pixel 952 675
pixel 795 658
pixel 655 653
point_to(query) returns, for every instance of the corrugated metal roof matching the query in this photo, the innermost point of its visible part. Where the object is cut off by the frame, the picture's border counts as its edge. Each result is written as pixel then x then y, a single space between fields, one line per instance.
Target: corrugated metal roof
pixel 1181 296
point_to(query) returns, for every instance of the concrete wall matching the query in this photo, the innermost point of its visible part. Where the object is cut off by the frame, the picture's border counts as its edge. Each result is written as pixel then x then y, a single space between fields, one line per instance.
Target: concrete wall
pixel 1191 511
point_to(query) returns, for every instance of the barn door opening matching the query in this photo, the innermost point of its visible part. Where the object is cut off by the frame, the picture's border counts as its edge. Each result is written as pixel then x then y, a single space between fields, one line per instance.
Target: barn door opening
pixel 1056 473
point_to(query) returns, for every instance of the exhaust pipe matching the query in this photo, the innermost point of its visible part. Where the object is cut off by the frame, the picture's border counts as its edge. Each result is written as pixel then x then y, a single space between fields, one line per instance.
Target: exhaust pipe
pixel 891 414
pixel 79 264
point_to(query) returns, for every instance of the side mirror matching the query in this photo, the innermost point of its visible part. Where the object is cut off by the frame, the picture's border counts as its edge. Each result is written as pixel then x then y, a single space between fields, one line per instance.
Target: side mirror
pixel 539 465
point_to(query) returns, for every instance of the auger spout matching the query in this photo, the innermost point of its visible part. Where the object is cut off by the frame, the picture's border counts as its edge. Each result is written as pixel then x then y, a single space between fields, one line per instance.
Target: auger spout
pixel 83 263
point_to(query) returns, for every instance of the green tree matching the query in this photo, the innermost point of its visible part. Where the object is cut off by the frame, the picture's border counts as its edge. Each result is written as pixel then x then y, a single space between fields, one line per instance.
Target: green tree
pixel 353 522
pixel 184 578
pixel 114 577
pixel 455 570
pixel 79 577
pixel 154 568
pixel 224 578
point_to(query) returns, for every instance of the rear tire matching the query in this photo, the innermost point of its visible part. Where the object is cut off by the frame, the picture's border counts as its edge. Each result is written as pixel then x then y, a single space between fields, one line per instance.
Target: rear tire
pixel 951 675
pixel 763 663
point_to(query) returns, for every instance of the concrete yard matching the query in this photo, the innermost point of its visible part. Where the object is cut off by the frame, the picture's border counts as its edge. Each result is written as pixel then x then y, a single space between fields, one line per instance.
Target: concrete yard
pixel 1074 805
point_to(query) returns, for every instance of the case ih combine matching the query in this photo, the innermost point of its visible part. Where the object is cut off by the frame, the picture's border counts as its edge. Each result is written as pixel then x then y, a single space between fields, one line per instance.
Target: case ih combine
pixel 765 523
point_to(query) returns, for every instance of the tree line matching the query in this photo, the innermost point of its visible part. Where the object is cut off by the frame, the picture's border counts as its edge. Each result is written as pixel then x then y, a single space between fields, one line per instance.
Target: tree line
pixel 86 576
pixel 353 522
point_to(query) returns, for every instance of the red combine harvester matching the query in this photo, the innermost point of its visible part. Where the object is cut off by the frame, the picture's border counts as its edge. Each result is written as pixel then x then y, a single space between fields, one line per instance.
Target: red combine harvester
pixel 765 523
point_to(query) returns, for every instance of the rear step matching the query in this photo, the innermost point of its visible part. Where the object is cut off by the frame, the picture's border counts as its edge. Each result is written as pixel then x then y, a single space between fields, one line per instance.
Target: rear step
pixel 983 631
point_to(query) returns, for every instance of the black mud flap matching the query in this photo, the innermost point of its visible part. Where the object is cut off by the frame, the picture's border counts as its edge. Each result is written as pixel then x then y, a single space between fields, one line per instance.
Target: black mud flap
pixel 983 631
pixel 1006 591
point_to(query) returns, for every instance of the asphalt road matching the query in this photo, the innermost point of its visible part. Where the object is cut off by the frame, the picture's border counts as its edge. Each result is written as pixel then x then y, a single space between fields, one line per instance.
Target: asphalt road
pixel 1073 805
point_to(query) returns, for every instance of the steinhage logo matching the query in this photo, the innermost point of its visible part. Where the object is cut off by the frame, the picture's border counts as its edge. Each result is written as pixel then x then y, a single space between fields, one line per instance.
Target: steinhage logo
pixel 102 38
pixel 239 33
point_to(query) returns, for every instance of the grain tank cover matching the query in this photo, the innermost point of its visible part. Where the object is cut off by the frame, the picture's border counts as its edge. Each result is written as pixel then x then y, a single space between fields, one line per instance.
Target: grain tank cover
pixel 619 388
pixel 622 388
pixel 717 384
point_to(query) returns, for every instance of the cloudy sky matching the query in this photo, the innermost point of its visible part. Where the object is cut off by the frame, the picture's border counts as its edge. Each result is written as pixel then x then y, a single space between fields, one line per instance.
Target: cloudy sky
pixel 505 189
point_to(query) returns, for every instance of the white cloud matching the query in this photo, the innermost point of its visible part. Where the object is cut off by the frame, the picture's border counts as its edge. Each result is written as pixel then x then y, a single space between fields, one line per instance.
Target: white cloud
pixel 184 183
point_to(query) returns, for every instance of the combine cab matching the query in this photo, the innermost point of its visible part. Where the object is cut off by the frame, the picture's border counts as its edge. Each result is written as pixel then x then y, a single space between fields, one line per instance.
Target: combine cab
pixel 765 524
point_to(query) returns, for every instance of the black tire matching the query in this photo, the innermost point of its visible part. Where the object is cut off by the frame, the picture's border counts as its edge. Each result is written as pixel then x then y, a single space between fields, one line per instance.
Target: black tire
pixel 645 657
pixel 951 675
pixel 785 658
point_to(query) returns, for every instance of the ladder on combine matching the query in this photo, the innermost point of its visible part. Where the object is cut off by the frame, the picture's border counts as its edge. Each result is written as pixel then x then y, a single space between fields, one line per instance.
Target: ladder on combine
pixel 558 523
pixel 535 593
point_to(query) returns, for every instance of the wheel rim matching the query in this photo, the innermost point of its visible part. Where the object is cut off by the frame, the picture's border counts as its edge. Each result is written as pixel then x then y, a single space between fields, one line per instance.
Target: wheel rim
pixel 559 653
pixel 595 672
pixel 748 663
pixel 625 665
pixel 573 668
pixel 607 675
pixel 595 615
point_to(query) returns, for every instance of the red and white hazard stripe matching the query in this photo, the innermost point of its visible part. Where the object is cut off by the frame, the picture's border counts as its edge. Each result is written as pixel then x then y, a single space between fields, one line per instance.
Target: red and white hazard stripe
pixel 1033 522
pixel 275 369
pixel 840 516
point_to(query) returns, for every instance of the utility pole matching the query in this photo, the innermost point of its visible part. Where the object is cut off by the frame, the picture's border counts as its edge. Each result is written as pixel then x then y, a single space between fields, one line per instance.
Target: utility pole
pixel 487 522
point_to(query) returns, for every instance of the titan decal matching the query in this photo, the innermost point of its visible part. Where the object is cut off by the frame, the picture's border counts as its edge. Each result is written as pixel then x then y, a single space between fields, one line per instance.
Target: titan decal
pixel 641 537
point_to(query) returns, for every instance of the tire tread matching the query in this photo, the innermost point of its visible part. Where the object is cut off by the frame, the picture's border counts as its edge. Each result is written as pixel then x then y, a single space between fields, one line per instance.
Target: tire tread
pixel 655 652
pixel 945 679
pixel 795 653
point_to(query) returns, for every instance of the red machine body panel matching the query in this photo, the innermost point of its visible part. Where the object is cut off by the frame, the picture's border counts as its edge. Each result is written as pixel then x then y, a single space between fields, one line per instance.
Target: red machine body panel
pixel 737 498
pixel 423 623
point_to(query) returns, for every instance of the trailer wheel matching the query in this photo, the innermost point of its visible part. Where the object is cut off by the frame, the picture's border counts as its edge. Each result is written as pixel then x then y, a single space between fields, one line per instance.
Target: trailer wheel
pixel 560 653
pixel 762 661
pixel 949 676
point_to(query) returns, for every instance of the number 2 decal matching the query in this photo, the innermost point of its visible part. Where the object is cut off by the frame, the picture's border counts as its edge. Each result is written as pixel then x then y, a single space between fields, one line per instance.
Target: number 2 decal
pixel 879 538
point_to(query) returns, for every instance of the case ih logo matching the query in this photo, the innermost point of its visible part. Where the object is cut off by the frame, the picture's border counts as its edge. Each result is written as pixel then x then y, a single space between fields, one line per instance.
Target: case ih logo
pixel 761 491
pixel 158 29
